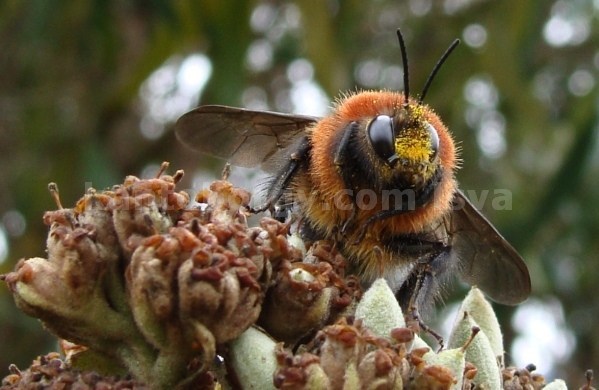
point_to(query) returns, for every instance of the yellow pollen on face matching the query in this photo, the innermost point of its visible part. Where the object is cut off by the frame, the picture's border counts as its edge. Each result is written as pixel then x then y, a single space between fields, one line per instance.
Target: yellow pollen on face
pixel 413 145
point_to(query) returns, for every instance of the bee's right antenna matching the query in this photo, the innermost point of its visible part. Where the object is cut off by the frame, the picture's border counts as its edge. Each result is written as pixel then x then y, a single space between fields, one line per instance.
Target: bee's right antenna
pixel 436 69
pixel 406 74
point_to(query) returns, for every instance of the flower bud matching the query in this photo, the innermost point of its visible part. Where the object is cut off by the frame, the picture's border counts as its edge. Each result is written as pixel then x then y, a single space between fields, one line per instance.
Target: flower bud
pixel 379 309
pixel 479 352
pixel 482 313
pixel 252 357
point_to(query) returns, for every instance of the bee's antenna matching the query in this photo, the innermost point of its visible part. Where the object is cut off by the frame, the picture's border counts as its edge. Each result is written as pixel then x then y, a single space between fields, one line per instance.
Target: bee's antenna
pixel 436 69
pixel 406 74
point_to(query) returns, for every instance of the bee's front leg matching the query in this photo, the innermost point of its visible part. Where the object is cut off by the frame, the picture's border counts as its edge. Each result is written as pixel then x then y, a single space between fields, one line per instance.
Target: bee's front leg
pixel 296 162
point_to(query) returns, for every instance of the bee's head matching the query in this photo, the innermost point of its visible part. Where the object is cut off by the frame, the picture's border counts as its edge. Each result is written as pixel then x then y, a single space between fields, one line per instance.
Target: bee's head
pixel 407 140
pixel 383 140
pixel 389 148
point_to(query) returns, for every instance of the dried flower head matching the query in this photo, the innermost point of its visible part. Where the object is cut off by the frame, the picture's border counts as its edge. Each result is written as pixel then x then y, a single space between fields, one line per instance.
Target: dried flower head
pixel 143 281
pixel 140 275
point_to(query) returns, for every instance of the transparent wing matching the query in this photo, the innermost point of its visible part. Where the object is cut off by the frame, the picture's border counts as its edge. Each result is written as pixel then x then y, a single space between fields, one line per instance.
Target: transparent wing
pixel 486 259
pixel 243 137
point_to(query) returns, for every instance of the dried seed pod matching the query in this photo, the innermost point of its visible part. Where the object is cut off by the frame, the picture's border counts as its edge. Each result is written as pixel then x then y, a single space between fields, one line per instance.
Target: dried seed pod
pixel 300 300
pixel 151 280
pixel 306 295
pixel 208 278
pixel 223 296
pixel 50 372
pixel 193 280
pixel 344 344
pixel 454 360
pixel 142 208
pixel 67 289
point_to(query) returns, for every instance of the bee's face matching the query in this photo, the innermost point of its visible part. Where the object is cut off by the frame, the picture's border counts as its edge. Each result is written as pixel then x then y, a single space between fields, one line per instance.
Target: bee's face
pixel 395 145
pixel 406 143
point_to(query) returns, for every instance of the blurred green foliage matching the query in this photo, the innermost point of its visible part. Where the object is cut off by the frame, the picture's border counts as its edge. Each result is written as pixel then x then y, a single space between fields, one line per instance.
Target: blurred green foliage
pixel 70 111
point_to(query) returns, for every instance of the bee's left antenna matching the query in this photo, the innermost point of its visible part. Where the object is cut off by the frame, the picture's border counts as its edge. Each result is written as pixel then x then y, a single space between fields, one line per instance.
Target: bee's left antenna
pixel 406 73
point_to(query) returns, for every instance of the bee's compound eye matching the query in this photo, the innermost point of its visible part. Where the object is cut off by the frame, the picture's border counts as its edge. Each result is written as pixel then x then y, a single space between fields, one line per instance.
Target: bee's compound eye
pixel 434 136
pixel 382 137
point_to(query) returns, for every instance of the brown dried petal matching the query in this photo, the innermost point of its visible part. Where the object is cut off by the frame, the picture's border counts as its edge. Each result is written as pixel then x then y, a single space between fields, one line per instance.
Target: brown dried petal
pixel 74 257
pixel 434 378
pixel 161 189
pixel 134 221
pixel 228 203
pixel 402 335
pixel 93 214
pixel 274 242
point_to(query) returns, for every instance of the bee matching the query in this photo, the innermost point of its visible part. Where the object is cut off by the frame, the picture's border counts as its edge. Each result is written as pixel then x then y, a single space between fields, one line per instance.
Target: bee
pixel 377 178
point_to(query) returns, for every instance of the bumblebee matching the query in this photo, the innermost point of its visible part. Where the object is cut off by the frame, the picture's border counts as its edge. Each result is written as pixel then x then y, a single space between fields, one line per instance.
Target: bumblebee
pixel 377 177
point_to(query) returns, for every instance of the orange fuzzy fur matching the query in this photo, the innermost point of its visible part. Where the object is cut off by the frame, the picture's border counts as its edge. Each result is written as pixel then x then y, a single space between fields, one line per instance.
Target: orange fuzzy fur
pixel 323 181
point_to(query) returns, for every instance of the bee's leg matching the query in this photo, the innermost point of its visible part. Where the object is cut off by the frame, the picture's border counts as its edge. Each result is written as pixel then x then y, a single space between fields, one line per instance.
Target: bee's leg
pixel 341 160
pixel 414 313
pixel 280 213
pixel 351 218
pixel 281 181
pixel 433 261
pixel 432 266
pixel 226 172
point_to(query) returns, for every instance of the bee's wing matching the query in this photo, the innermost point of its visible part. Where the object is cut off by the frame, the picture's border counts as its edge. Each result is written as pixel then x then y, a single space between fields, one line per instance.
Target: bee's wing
pixel 243 137
pixel 486 259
